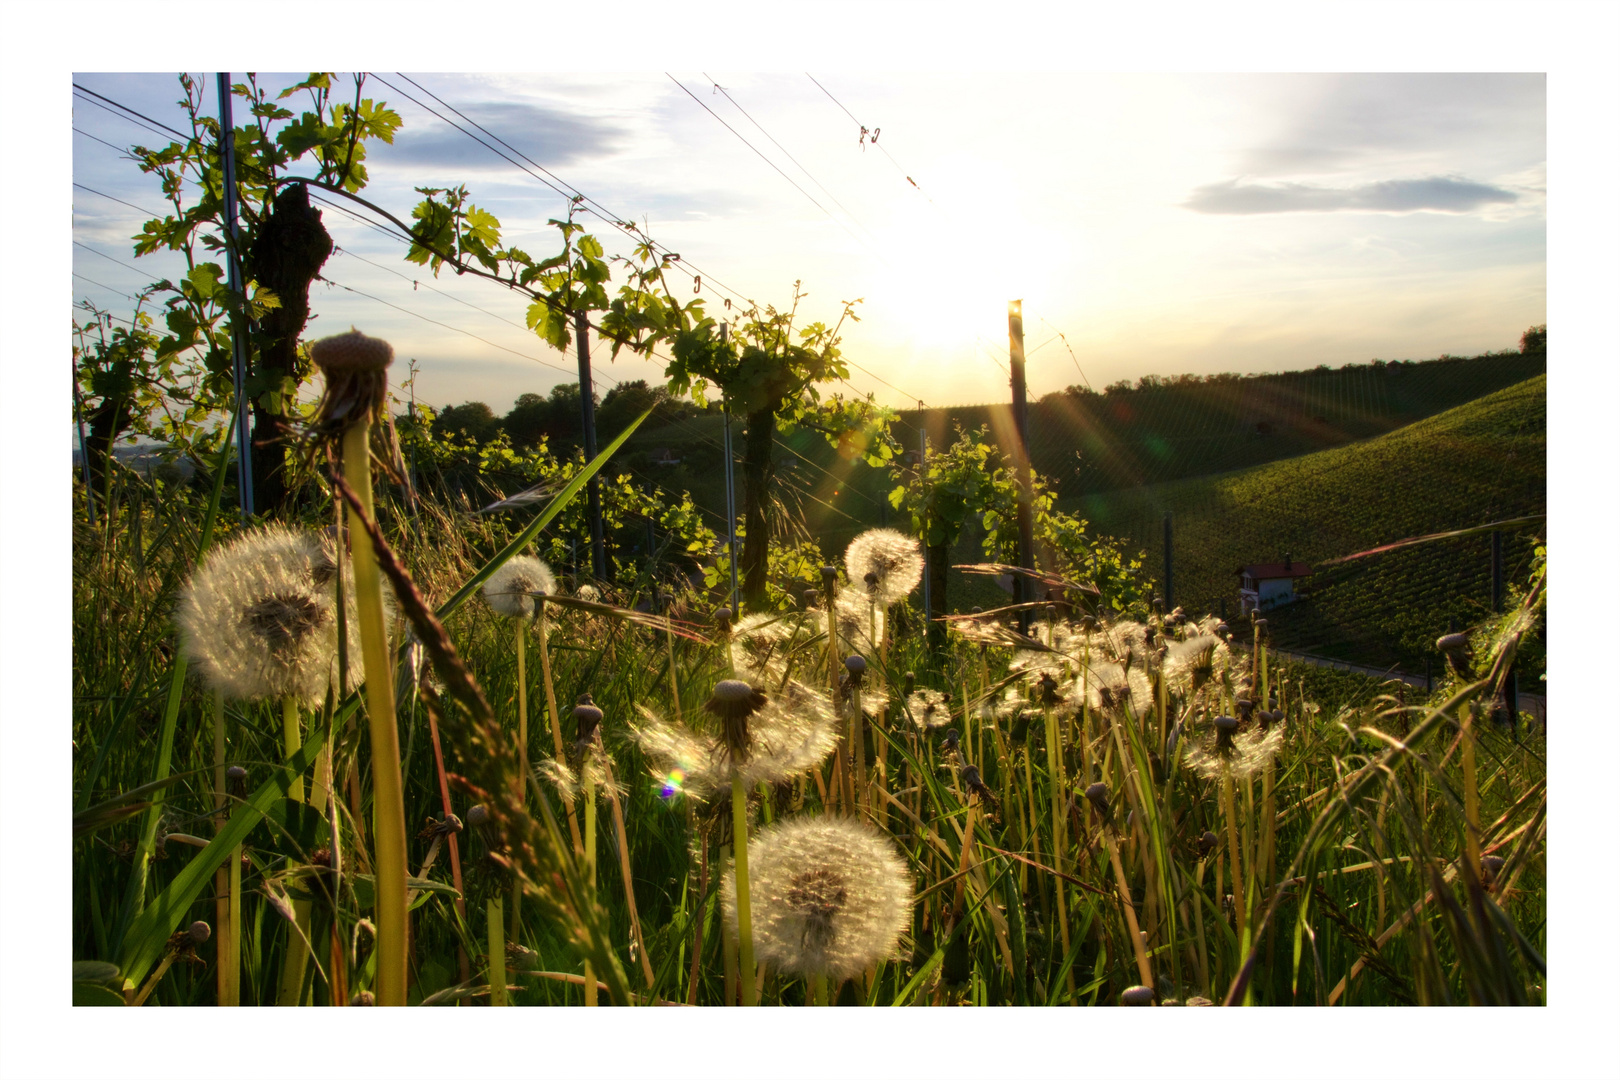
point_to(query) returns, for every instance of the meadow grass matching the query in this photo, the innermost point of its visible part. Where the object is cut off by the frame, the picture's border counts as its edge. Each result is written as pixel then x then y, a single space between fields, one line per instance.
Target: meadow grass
pixel 1341 872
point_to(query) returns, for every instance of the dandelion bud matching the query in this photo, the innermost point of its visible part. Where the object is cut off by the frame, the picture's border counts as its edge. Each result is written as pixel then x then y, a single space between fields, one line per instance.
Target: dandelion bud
pixel 978 611
pixel 971 778
pixel 1097 795
pixel 723 617
pixel 200 932
pixel 856 666
pixel 734 701
pixel 953 741
pixel 871 580
pixel 1260 627
pixel 1137 995
pixel 1244 706
pixel 829 574
pixel 1199 1001
pixel 1049 695
pixel 353 351
pixel 1158 603
pixel 812 597
pixel 477 815
pixel 1489 867
pixel 235 772
pixel 1222 630
pixel 1455 648
pixel 586 718
pixel 910 683
pixel 363 997
pixel 1225 728
pixel 1207 844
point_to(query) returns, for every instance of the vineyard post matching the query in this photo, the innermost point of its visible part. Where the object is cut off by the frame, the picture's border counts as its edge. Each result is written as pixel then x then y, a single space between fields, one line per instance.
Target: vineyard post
pixel 233 264
pixel 731 487
pixel 587 410
pixel 1020 451
pixel 922 476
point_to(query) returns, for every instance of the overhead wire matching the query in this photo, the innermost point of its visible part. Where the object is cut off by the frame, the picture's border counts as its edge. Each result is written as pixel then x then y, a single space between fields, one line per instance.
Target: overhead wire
pixel 125 108
pixel 864 129
pixel 589 204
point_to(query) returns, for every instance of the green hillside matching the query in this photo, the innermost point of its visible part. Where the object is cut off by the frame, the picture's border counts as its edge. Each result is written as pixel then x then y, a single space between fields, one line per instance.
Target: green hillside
pixel 1473 464
pixel 1157 431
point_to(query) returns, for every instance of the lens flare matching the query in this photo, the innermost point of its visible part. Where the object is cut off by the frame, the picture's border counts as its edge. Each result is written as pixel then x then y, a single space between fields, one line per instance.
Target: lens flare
pixel 673 782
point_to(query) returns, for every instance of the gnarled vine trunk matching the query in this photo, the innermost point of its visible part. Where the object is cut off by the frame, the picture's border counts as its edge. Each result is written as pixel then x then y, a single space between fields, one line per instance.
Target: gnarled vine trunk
pixel 289 250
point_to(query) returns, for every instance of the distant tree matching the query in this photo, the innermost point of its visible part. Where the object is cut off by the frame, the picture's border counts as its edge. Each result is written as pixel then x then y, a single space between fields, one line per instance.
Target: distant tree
pixel 624 403
pixel 473 420
pixel 526 423
pixel 1534 339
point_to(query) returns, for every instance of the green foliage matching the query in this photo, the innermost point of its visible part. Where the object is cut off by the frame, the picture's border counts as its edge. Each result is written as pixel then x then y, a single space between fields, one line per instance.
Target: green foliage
pixel 190 365
pixel 445 459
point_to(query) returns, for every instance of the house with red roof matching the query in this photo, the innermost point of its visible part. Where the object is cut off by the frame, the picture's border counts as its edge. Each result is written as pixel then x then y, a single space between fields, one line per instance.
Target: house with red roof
pixel 1262 586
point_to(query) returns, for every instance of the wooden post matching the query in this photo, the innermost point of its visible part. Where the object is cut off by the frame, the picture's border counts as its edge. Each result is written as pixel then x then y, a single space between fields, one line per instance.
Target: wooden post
pixel 1023 588
pixel 587 410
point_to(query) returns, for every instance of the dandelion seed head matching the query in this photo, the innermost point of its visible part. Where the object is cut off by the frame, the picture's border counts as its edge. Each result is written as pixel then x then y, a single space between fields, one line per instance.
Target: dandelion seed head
pixel 928 709
pixel 888 563
pixel 258 621
pixel 792 733
pixel 1240 754
pixel 829 896
pixel 508 590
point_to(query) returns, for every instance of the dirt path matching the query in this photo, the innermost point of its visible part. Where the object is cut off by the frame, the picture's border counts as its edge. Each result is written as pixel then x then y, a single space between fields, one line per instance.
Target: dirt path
pixel 1534 704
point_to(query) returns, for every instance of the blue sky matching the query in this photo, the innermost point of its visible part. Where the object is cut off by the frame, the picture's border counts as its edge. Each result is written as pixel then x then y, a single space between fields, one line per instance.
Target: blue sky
pixel 1162 223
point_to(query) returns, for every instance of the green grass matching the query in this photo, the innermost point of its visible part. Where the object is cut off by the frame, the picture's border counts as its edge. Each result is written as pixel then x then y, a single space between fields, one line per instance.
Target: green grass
pixel 1480 462
pixel 1361 858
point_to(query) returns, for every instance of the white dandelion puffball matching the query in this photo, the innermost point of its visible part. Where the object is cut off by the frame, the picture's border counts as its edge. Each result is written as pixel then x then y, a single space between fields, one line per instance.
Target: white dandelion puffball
pixel 827 896
pixel 1246 756
pixel 790 735
pixel 892 559
pixel 508 589
pixel 258 618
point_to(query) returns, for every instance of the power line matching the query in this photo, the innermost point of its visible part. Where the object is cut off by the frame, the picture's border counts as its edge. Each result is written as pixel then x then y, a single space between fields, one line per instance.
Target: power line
pixel 768 161
pixel 109 258
pixel 883 149
pixel 1073 357
pixel 109 288
pixel 104 195
pixel 569 192
pixel 132 112
pixel 447 326
pixel 790 157
pixel 103 142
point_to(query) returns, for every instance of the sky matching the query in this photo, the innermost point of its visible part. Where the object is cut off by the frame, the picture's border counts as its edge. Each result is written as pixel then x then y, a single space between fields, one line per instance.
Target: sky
pixel 1159 223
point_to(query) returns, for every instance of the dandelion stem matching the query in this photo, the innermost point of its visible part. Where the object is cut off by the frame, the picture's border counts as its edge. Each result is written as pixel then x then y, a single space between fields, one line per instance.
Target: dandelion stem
pixel 588 797
pixel 544 634
pixel 518 782
pixel 745 925
pixel 388 799
pixel 295 960
pixel 497 954
pixel 227 986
